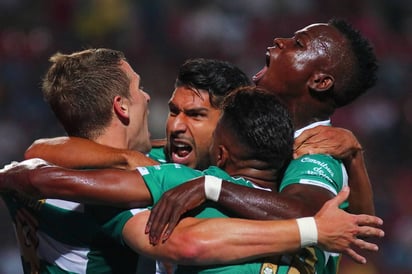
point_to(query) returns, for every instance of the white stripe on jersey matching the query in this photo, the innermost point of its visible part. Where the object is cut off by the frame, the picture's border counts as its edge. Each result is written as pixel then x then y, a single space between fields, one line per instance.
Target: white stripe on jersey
pixel 67 257
pixel 73 206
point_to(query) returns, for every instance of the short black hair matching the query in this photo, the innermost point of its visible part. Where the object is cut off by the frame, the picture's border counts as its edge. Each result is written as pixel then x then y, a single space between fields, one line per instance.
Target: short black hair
pixel 363 73
pixel 262 125
pixel 214 76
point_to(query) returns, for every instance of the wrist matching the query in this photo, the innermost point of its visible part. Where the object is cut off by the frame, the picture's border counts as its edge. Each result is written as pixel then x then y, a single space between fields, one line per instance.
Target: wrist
pixel 212 186
pixel 308 231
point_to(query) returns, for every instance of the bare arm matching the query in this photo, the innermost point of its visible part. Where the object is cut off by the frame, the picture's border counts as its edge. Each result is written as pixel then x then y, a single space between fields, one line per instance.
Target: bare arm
pixel 361 198
pixel 342 144
pixel 229 240
pixel 295 201
pixel 38 179
pixel 73 152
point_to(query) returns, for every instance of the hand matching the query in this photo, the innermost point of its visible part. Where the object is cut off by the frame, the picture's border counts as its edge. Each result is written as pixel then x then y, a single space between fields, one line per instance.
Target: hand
pixel 340 232
pixel 16 175
pixel 173 204
pixel 338 142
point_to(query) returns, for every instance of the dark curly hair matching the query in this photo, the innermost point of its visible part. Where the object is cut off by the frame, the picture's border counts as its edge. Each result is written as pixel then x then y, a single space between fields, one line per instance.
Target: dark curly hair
pixel 362 75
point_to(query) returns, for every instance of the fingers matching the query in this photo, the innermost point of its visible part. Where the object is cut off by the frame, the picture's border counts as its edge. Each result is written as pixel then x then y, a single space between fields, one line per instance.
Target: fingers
pixel 362 244
pixel 370 231
pixel 11 165
pixel 155 225
pixel 340 198
pixel 171 226
pixel 162 221
pixel 357 242
pixel 364 219
pixel 307 134
pixel 355 256
pixel 339 142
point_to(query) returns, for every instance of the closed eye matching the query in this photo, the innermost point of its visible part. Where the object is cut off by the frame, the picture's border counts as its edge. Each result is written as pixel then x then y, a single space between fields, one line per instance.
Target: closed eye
pixel 196 113
pixel 299 43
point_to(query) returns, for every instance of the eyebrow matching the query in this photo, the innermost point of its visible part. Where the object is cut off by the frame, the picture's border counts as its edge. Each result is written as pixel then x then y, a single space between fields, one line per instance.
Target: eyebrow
pixel 198 109
pixel 302 33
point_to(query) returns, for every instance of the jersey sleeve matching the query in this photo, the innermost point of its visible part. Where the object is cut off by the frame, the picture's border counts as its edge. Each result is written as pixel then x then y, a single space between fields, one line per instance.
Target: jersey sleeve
pixel 158 154
pixel 316 169
pixel 158 179
pixel 161 178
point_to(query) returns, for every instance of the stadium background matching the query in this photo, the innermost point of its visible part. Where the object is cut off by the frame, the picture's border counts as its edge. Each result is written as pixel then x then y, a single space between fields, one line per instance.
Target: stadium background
pixel 158 35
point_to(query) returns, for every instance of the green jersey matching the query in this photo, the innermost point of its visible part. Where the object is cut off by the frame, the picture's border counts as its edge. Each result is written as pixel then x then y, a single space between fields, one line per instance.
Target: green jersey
pixel 57 236
pixel 323 171
pixel 158 154
pixel 161 178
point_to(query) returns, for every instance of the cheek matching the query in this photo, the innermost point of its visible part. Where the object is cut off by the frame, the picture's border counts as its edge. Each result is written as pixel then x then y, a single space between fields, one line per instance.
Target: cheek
pixel 203 135
pixel 170 124
pixel 203 128
pixel 302 63
pixel 167 125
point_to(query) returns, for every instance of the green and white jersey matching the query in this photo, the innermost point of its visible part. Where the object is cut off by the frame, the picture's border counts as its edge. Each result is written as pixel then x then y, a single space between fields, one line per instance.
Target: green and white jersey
pixel 158 154
pixel 161 178
pixel 323 171
pixel 57 236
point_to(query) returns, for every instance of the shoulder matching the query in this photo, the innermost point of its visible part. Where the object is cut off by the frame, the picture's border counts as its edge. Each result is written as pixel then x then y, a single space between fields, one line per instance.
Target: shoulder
pixel 316 169
pixel 315 160
pixel 158 154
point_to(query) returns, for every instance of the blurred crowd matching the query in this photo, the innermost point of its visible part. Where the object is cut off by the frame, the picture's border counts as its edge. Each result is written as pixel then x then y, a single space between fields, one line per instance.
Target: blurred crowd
pixel 158 35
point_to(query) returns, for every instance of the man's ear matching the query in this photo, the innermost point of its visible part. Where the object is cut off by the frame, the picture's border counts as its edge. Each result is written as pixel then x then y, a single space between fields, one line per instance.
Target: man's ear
pixel 222 156
pixel 121 109
pixel 320 81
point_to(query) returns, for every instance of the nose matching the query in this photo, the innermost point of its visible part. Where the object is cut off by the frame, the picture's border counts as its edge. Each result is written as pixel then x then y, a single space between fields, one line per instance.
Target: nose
pixel 279 42
pixel 146 95
pixel 178 123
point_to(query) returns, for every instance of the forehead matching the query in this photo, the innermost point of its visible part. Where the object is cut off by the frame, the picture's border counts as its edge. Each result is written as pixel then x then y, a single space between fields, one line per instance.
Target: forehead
pixel 323 32
pixel 186 97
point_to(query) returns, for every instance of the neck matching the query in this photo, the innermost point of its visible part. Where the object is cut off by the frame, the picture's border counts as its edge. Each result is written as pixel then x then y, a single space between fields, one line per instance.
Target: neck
pixel 304 113
pixel 261 176
pixel 113 138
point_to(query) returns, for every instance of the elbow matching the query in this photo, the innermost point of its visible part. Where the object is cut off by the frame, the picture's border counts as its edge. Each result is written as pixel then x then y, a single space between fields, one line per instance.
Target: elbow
pixel 33 150
pixel 189 249
pixel 30 152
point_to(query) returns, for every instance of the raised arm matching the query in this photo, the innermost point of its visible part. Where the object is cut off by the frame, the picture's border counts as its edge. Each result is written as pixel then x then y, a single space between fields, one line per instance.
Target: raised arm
pixel 216 241
pixel 73 152
pixel 39 179
pixel 342 144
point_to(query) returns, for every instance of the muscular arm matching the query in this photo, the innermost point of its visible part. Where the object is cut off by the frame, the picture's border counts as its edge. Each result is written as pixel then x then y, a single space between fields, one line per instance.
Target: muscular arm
pixel 38 179
pixel 294 201
pixel 361 198
pixel 342 144
pixel 73 152
pixel 303 200
pixel 210 241
pixel 216 241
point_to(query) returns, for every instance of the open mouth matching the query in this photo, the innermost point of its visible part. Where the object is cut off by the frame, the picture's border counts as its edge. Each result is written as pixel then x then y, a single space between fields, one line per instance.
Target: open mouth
pixel 260 74
pixel 180 152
